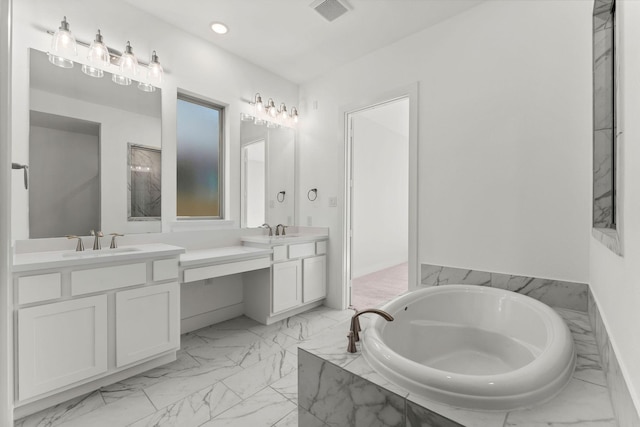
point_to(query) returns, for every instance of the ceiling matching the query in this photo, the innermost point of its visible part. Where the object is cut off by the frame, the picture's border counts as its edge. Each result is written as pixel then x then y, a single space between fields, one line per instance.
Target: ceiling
pixel 291 39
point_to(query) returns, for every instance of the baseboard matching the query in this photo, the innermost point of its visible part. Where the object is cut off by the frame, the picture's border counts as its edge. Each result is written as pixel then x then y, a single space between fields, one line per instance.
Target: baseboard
pixel 202 320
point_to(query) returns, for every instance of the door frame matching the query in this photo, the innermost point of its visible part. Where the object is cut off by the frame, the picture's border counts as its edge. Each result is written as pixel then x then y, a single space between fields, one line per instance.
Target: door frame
pixel 409 92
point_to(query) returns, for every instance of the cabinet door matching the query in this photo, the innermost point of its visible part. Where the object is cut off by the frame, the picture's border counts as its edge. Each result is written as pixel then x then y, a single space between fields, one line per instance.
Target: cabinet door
pixel 314 281
pixel 60 344
pixel 147 322
pixel 287 277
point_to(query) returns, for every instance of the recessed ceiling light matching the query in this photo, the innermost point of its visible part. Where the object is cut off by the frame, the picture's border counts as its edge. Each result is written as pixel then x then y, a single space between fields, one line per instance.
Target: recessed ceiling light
pixel 219 28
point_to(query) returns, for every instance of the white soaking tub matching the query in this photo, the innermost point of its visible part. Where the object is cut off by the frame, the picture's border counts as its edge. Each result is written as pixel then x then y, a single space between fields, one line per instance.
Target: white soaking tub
pixel 472 347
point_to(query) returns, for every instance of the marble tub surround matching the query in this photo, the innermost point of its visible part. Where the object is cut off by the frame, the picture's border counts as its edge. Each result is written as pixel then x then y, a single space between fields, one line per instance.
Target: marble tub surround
pixel 556 293
pixel 623 406
pixel 235 373
pixel 584 401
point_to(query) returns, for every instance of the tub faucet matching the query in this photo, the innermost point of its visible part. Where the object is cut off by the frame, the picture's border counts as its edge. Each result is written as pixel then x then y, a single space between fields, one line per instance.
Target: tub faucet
pixel 354 330
pixel 265 225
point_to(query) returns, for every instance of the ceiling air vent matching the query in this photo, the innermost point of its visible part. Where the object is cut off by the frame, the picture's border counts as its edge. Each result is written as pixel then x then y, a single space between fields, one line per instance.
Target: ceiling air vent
pixel 330 9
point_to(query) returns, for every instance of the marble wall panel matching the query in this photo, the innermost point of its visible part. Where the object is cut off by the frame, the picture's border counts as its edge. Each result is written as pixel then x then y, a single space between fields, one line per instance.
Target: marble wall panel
pixel 555 293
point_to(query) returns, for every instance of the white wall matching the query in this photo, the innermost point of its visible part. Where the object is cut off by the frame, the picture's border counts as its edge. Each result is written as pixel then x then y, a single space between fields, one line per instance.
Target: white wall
pixel 192 65
pixel 380 207
pixel 504 138
pixel 615 280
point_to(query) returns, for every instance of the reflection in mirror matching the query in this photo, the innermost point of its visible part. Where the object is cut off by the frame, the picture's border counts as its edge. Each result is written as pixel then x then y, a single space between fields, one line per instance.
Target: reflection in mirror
pixel 278 175
pixel 87 124
pixel 144 183
pixel 253 183
pixel 64 196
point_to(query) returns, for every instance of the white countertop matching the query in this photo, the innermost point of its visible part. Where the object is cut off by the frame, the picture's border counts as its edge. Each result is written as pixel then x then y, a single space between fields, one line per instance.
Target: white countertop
pixel 283 240
pixel 224 254
pixel 54 259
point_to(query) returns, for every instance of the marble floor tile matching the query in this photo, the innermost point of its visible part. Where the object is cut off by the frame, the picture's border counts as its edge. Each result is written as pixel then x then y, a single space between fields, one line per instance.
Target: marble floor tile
pixel 291 420
pixel 129 386
pixel 305 419
pixel 263 409
pixel 580 403
pixel 248 381
pixel 186 382
pixel 288 386
pixel 241 322
pixel 262 349
pixel 120 413
pixel 194 409
pixel 58 414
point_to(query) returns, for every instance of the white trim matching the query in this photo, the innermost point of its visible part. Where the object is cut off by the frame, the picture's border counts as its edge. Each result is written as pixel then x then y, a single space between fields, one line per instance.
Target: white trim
pixel 410 92
pixel 6 288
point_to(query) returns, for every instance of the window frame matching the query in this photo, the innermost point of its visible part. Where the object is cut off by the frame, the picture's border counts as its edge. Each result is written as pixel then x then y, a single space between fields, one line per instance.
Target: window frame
pixel 221 155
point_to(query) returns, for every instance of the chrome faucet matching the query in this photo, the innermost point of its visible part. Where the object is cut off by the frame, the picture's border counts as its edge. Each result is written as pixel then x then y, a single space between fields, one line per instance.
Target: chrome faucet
pixel 80 245
pixel 278 229
pixel 265 225
pixel 96 241
pixel 113 240
pixel 354 330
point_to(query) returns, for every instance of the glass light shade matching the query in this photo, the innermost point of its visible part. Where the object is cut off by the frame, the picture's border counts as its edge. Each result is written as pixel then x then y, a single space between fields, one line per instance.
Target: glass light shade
pixel 92 71
pixel 98 57
pixel 63 46
pixel 59 61
pixel 146 87
pixel 294 114
pixel 258 105
pixel 121 80
pixel 283 112
pixel 155 72
pixel 128 62
pixel 271 108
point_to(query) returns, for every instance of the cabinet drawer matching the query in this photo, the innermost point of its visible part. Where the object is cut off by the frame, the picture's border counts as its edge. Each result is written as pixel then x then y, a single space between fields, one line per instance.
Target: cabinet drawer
pixel 302 250
pixel 279 253
pixel 165 269
pixel 321 248
pixel 38 288
pixel 209 272
pixel 105 278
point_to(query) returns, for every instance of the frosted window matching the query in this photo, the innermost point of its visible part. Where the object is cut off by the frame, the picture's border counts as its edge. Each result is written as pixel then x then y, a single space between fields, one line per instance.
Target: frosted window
pixel 199 135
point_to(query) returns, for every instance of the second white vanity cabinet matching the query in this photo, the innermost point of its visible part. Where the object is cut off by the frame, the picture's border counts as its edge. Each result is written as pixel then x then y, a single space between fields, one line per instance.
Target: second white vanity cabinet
pixel 296 282
pixel 89 319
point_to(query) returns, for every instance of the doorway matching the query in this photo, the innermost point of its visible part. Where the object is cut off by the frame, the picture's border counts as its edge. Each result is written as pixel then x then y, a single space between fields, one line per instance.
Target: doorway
pixel 378 201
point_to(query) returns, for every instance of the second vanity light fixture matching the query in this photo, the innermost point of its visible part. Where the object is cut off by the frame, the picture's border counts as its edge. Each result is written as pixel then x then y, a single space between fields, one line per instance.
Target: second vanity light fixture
pixel 268 114
pixel 100 57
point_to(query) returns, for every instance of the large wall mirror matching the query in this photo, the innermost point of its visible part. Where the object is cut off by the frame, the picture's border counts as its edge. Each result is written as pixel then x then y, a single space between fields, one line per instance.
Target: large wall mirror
pixel 267 175
pixel 84 173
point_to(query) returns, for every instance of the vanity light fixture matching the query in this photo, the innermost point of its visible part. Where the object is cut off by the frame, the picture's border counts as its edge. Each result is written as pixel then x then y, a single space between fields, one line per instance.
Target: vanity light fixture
pixel 63 46
pixel 154 75
pixel 282 112
pixel 270 115
pixel 98 58
pixel 219 28
pixel 271 108
pixel 294 114
pixel 128 67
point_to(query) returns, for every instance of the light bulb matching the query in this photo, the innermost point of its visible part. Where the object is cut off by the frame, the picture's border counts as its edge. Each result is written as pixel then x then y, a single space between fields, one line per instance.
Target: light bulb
pixel 283 112
pixel 294 114
pixel 98 56
pixel 63 46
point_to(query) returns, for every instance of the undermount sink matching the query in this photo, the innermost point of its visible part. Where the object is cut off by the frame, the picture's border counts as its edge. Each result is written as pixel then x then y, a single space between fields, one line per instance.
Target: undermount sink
pixel 99 253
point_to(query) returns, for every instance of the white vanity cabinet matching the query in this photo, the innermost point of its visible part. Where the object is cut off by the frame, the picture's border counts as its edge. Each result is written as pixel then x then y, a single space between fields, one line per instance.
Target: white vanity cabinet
pixel 87 320
pixel 296 282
